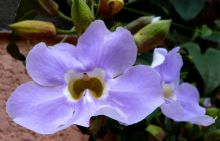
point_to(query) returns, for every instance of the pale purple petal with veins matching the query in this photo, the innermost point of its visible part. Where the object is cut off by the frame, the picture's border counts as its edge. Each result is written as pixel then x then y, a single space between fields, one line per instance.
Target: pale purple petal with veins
pixel 41 109
pixel 47 65
pixel 112 51
pixel 133 95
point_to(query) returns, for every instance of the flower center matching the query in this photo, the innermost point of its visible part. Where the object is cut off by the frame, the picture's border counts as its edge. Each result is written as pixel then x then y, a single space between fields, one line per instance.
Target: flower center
pixel 78 83
pixel 93 84
pixel 168 91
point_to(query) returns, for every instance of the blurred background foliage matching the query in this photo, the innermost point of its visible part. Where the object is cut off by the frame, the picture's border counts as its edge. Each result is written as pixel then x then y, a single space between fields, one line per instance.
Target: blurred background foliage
pixel 195 27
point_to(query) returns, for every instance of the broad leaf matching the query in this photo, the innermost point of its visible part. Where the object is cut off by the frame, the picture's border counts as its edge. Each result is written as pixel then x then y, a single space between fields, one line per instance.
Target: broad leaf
pixel 188 9
pixel 208 65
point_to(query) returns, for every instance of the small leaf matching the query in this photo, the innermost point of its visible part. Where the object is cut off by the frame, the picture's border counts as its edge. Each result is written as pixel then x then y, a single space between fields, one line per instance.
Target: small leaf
pixel 188 9
pixel 206 31
pixel 208 65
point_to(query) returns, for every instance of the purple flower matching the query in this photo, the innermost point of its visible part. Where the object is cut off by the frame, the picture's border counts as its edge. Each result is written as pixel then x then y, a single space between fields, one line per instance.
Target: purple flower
pixel 181 101
pixel 71 84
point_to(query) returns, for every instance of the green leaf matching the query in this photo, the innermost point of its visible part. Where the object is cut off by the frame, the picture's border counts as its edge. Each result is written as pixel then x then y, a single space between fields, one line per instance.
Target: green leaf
pixel 27 9
pixel 188 9
pixel 208 65
pixel 205 31
pixel 214 37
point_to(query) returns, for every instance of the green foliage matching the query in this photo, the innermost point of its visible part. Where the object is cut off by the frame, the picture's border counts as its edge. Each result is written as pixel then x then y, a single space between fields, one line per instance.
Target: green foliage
pixel 207 64
pixel 188 9
pixel 27 9
pixel 213 136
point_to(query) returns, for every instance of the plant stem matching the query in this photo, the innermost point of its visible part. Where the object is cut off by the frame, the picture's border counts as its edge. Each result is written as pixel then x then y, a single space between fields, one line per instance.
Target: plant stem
pixel 64 17
pixel 136 11
pixel 64 31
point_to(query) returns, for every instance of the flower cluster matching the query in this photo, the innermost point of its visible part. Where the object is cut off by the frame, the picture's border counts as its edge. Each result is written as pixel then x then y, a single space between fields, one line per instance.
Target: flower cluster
pixel 97 77
pixel 181 101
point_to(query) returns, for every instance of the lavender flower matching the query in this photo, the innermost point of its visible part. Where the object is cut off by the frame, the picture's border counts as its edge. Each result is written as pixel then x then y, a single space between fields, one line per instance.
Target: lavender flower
pixel 71 84
pixel 181 101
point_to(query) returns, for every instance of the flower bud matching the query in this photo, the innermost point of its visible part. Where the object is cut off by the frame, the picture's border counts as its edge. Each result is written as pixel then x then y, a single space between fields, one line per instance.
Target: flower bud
pixel 34 28
pixel 81 15
pixel 156 132
pixel 139 23
pixel 50 6
pixel 108 8
pixel 152 35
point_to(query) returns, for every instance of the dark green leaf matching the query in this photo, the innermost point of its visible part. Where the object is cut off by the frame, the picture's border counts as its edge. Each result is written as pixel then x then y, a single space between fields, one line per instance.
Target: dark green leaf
pixel 27 9
pixel 214 37
pixel 205 31
pixel 208 65
pixel 188 9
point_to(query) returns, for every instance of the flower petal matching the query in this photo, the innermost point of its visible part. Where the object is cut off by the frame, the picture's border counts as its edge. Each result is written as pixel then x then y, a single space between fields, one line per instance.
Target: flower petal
pixel 159 56
pixel 85 109
pixel 133 95
pixel 173 110
pixel 47 65
pixel 187 107
pixel 203 120
pixel 186 93
pixel 171 66
pixel 112 51
pixel 41 109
